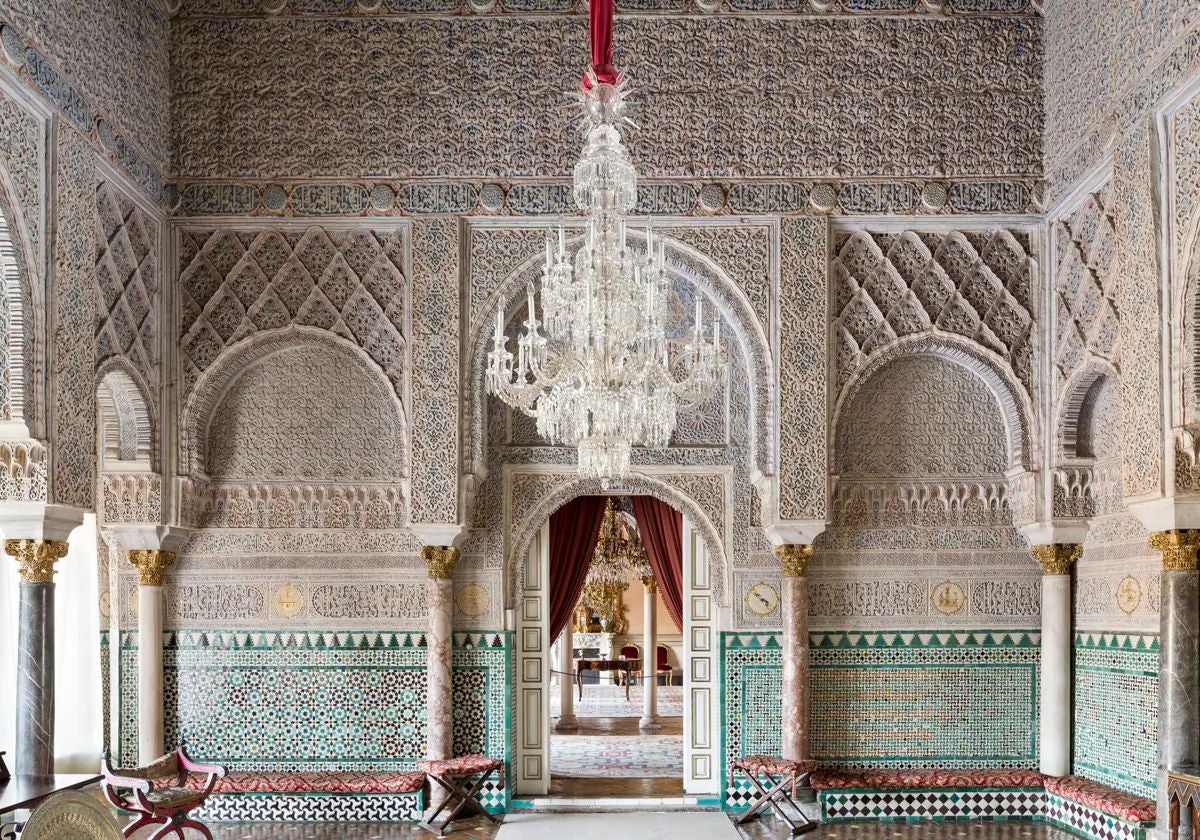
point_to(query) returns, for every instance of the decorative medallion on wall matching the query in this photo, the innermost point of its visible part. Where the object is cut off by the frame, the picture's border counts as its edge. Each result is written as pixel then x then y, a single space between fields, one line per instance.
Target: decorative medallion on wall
pixel 948 597
pixel 473 600
pixel 1129 594
pixel 105 605
pixel 287 600
pixel 762 599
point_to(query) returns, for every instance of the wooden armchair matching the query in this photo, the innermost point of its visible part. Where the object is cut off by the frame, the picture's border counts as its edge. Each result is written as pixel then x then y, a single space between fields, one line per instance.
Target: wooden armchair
pixel 662 664
pixel 632 651
pixel 159 793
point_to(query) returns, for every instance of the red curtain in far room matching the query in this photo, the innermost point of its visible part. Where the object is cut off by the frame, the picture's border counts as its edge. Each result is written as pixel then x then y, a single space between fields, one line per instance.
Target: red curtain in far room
pixel 574 532
pixel 661 527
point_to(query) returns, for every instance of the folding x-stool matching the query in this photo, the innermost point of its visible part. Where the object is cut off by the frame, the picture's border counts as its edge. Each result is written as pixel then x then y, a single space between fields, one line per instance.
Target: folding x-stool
pixel 781 775
pixel 458 777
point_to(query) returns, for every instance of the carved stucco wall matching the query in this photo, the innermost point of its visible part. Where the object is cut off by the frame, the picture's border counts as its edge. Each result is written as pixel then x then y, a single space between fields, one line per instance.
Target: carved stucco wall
pixel 495 89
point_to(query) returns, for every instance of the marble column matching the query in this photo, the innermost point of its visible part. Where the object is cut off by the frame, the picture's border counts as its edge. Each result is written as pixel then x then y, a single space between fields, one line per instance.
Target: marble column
pixel 1055 687
pixel 649 721
pixel 35 654
pixel 793 604
pixel 1179 661
pixel 439 641
pixel 567 722
pixel 151 565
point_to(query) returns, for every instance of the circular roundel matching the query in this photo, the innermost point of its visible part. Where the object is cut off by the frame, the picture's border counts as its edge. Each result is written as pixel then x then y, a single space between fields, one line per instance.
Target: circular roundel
pixel 934 195
pixel 492 197
pixel 274 197
pixel 473 600
pixel 383 197
pixel 948 597
pixel 287 600
pixel 72 815
pixel 13 46
pixel 712 197
pixel 823 197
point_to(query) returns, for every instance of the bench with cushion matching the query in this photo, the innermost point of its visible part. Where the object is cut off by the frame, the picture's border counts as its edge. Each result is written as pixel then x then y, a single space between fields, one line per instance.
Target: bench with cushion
pixel 916 795
pixel 1097 810
pixel 316 796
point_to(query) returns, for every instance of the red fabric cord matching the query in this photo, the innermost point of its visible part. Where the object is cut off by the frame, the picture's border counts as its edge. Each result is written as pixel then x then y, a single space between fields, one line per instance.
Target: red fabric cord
pixel 661 527
pixel 574 532
pixel 600 15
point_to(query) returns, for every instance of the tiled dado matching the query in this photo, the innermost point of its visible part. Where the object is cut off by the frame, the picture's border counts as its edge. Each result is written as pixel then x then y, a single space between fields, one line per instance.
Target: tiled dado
pixel 935 805
pixel 328 700
pixel 903 699
pixel 1116 710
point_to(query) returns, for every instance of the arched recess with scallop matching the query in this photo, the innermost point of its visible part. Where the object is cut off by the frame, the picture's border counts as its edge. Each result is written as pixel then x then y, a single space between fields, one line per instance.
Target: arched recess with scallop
pixel 294 428
pixel 17 268
pixel 1087 445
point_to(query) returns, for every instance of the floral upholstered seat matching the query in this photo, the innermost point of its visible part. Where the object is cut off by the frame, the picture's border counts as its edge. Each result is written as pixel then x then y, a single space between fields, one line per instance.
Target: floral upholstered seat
pixel 1115 803
pixel 463 765
pixel 834 779
pixel 773 765
pixel 321 782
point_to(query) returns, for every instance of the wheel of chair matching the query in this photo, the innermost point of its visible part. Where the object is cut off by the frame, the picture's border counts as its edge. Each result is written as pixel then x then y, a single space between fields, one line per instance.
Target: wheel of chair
pixel 72 815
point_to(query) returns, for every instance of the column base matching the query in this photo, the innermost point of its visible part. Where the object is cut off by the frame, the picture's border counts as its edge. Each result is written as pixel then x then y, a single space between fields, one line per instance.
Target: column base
pixel 649 724
pixel 567 723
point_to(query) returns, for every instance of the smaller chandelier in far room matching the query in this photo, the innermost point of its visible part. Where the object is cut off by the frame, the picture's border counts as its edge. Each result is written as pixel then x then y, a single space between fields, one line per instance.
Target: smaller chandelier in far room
pixel 597 371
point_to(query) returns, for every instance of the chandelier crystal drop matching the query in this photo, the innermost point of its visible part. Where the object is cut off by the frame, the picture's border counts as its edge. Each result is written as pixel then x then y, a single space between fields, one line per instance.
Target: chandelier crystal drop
pixel 597 370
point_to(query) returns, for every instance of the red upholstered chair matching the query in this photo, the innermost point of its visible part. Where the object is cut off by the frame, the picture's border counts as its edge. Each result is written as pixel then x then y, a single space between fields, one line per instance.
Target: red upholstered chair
pixel 159 793
pixel 632 651
pixel 662 663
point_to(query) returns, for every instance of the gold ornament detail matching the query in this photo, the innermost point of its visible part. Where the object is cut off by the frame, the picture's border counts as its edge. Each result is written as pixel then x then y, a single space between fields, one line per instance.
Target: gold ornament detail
pixel 650 583
pixel 1129 594
pixel 1056 558
pixel 948 597
pixel 440 559
pixel 473 600
pixel 151 563
pixel 36 558
pixel 794 558
pixel 1178 547
pixel 287 600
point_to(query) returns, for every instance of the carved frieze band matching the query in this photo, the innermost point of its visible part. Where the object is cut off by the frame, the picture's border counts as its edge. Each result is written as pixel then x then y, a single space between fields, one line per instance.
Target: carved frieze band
pixel 680 197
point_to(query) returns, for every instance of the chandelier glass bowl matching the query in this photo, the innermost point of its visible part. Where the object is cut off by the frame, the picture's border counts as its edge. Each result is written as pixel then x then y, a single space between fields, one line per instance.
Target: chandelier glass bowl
pixel 597 371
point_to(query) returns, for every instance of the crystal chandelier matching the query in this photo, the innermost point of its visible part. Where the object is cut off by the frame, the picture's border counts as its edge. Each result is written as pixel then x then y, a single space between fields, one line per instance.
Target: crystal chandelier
pixel 597 371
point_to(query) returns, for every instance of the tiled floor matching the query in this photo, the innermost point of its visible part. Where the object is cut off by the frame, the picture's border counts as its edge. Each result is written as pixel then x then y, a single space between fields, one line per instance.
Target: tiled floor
pixel 766 829
pixel 561 786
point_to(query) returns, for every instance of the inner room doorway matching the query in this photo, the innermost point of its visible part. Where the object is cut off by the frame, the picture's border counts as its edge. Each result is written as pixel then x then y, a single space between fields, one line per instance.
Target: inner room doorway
pixel 617 698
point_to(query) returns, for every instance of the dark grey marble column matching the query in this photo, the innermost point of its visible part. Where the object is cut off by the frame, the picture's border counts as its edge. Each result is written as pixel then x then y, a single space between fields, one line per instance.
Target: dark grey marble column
pixel 1179 663
pixel 35 654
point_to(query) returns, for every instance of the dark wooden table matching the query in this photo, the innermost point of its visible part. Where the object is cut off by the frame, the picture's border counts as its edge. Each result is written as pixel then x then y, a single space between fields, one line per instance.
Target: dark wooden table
pixel 626 665
pixel 26 792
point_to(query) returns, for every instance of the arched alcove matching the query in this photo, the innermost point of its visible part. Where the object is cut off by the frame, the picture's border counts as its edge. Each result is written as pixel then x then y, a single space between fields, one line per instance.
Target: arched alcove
pixel 125 422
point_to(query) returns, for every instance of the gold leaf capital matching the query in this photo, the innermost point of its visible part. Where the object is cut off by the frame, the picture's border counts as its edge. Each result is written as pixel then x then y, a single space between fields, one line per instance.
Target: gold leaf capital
pixel 650 583
pixel 36 558
pixel 1056 558
pixel 151 563
pixel 794 558
pixel 1178 547
pixel 440 559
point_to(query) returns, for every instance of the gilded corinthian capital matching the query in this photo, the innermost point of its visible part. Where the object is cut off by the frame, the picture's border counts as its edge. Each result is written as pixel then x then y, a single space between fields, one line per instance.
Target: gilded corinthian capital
pixel 36 558
pixel 441 560
pixel 794 558
pixel 1178 547
pixel 151 563
pixel 1056 558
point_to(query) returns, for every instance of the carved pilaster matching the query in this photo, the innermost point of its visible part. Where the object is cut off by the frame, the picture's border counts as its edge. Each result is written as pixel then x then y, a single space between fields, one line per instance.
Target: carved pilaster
pixel 1178 547
pixel 151 563
pixel 36 558
pixel 794 558
pixel 440 559
pixel 1056 558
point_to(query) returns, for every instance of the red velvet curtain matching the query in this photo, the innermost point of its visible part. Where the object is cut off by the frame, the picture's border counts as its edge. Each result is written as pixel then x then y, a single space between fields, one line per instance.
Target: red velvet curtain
pixel 574 531
pixel 661 527
pixel 600 18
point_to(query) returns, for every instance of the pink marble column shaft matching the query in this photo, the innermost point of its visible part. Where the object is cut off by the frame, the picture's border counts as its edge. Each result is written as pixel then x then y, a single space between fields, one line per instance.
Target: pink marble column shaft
pixel 793 606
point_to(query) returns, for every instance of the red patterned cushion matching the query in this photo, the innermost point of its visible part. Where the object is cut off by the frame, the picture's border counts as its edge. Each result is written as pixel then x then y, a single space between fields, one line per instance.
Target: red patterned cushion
pixel 774 765
pixel 314 782
pixel 464 765
pixel 1115 803
pixel 824 779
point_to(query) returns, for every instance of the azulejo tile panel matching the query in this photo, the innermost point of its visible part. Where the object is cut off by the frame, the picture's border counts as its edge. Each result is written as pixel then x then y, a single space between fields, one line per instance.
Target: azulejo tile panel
pixel 935 805
pixel 323 700
pixel 1116 710
pixel 1088 822
pixel 903 699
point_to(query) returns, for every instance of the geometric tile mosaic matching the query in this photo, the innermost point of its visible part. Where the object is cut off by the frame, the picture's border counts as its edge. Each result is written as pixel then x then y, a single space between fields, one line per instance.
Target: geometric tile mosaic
pixel 327 700
pixel 1116 710
pixel 290 807
pixel 1090 822
pixel 910 699
pixel 914 805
